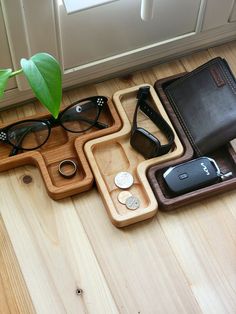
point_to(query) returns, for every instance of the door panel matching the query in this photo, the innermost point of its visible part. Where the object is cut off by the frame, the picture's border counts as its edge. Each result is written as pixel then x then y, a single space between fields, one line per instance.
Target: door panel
pixel 233 13
pixel 117 28
pixel 217 13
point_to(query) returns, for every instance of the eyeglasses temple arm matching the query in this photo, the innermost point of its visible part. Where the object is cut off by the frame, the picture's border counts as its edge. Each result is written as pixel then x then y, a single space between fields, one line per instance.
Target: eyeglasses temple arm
pixel 15 150
pixel 101 125
pixel 97 124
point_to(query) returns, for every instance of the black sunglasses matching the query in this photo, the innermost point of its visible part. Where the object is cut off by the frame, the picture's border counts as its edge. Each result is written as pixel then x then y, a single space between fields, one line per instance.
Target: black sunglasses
pixel 79 117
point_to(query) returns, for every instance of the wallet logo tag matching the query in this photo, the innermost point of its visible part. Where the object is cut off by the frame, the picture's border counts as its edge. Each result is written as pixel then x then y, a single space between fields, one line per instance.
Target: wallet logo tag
pixel 204 167
pixel 217 77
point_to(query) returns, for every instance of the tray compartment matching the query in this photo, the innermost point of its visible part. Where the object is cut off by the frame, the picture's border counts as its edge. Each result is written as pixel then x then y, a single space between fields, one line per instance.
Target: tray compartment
pixel 113 153
pixel 225 157
pixel 116 156
pixel 105 153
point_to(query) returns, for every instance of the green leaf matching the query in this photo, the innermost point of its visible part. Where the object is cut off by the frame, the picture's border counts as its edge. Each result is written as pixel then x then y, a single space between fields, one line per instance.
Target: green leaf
pixel 4 77
pixel 43 73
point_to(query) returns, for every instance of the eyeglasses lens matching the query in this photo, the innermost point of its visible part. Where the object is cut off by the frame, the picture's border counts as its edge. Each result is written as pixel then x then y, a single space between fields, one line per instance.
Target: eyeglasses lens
pixel 28 134
pixel 80 117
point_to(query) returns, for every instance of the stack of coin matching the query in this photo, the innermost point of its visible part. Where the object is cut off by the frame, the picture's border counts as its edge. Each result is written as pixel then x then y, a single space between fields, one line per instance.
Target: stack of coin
pixel 122 196
pixel 125 180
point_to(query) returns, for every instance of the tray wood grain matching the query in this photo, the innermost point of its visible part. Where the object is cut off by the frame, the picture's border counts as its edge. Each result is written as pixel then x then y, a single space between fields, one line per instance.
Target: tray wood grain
pixel 62 145
pixel 225 158
pixel 113 153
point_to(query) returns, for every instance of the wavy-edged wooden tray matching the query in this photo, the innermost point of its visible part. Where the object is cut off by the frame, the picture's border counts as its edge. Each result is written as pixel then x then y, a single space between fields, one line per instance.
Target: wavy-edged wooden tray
pixel 62 145
pixel 113 153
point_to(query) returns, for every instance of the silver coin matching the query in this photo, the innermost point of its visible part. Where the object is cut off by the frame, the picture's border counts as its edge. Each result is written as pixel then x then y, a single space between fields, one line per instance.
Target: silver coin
pixel 124 180
pixel 132 202
pixel 122 196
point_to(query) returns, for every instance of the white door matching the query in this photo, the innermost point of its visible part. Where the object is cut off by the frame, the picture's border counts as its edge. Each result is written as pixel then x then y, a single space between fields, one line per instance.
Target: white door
pixel 116 28
pixel 5 56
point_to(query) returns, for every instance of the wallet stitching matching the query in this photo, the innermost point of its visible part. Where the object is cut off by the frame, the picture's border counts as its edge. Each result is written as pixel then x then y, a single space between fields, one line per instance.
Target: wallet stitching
pixel 228 78
pixel 181 80
pixel 226 75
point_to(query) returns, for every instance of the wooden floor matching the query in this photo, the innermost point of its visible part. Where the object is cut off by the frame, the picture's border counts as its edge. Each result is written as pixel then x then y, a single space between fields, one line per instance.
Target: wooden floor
pixel 183 262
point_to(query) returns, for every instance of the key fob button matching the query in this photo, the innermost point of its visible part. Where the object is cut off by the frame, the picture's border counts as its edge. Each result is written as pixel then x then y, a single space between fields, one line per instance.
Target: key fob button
pixel 183 176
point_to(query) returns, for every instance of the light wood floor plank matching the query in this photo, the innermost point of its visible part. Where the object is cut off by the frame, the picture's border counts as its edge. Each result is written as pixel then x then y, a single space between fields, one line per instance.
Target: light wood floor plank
pixel 52 248
pixel 194 60
pixel 227 51
pixel 203 245
pixel 14 296
pixel 138 263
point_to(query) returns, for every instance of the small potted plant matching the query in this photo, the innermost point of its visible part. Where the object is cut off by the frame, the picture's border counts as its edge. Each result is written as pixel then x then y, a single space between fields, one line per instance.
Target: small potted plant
pixel 43 73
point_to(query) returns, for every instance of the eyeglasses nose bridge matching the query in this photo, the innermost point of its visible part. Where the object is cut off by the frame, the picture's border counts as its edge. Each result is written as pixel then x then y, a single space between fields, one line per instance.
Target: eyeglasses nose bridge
pixel 51 122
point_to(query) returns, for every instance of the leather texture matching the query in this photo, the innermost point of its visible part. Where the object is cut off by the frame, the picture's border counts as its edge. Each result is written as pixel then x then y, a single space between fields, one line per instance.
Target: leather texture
pixel 204 101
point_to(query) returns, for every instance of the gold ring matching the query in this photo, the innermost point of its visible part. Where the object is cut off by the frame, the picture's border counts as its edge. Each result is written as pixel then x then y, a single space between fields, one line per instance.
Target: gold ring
pixel 65 171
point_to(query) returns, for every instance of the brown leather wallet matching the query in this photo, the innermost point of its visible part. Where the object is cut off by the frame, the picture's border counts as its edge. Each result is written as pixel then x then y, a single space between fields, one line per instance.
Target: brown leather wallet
pixel 204 101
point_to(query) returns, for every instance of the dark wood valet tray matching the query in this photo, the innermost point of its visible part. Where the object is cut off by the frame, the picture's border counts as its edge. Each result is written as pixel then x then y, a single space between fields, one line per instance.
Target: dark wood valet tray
pixel 225 157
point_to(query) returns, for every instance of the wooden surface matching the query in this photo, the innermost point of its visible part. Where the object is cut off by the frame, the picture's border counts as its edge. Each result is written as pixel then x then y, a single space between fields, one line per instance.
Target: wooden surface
pixel 113 153
pixel 183 262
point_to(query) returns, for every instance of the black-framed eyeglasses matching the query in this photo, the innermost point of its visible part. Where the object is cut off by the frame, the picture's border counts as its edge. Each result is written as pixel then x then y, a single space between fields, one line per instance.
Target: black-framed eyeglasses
pixel 79 117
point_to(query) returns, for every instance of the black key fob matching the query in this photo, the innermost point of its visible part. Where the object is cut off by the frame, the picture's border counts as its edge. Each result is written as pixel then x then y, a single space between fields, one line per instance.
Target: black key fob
pixel 192 175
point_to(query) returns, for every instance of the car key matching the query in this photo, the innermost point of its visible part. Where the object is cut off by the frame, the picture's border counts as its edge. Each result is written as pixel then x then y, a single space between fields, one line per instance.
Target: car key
pixel 193 174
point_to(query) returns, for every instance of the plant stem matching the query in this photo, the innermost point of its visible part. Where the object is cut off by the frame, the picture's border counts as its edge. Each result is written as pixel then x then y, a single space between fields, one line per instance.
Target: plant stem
pixel 16 72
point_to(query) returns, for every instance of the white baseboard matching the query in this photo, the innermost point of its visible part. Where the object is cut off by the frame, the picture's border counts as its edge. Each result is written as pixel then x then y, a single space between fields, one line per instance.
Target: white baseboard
pixel 134 60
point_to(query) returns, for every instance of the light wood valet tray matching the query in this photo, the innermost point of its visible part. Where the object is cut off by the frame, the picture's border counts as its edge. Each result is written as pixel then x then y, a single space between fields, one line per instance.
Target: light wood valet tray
pixel 62 145
pixel 113 153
